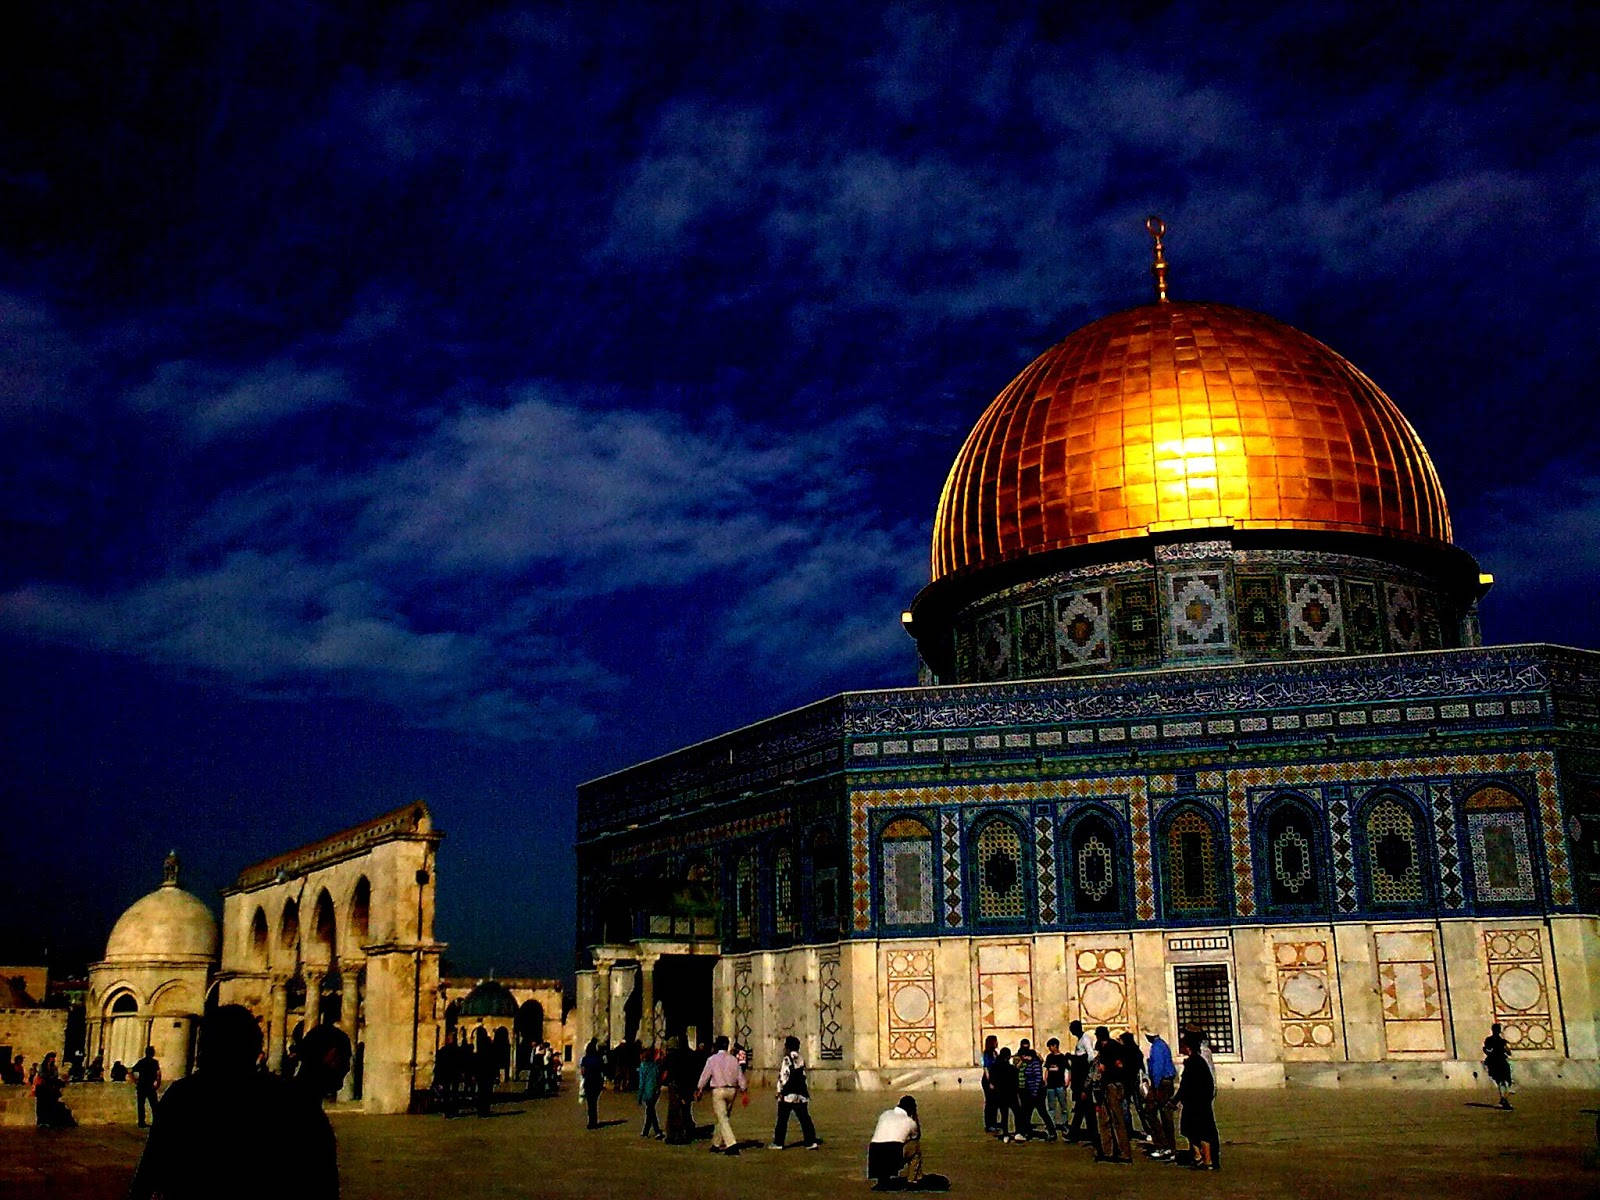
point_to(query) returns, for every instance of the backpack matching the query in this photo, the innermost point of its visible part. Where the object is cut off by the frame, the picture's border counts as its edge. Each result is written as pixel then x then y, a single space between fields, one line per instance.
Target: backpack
pixel 797 1081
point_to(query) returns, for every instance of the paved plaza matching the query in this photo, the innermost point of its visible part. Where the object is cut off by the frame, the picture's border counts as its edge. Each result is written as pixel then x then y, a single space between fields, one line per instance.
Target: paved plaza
pixel 1275 1143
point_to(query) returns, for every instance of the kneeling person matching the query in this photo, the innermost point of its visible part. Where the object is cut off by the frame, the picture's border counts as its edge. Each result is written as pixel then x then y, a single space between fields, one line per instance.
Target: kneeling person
pixel 896 1147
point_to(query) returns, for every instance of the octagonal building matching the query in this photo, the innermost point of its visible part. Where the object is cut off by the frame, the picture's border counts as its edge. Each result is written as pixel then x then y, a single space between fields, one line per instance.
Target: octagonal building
pixel 1204 737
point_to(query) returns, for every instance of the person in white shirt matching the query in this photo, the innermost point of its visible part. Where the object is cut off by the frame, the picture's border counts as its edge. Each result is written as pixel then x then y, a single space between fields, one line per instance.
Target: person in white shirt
pixel 794 1096
pixel 896 1147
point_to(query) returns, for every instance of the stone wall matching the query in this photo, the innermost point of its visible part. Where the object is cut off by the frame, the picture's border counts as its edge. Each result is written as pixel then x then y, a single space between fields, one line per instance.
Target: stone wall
pixel 91 1104
pixel 33 1032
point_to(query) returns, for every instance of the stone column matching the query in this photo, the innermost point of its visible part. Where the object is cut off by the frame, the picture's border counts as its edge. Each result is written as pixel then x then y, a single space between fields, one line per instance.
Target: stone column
pixel 602 1000
pixel 313 1011
pixel 277 1022
pixel 648 1033
pixel 347 1022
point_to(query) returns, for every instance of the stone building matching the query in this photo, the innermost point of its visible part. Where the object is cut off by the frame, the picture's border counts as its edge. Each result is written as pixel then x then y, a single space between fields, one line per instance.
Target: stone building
pixel 151 987
pixel 1204 736
pixel 27 1027
pixel 531 1011
pixel 342 930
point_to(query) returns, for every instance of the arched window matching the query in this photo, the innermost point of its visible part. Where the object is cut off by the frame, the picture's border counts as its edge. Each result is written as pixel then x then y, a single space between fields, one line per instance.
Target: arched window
pixel 824 881
pixel 325 934
pixel 259 935
pixel 1000 886
pixel 1093 867
pixel 125 1003
pixel 289 926
pixel 1393 858
pixel 1193 878
pixel 361 911
pixel 905 880
pixel 1287 850
pixel 744 898
pixel 1497 834
pixel 783 892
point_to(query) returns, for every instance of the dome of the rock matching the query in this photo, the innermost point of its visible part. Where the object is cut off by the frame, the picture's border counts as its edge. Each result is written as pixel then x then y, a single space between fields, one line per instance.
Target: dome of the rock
pixel 1178 416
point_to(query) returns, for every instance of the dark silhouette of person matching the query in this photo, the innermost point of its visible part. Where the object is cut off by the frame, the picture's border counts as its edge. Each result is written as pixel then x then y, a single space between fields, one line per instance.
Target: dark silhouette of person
pixel 147 1082
pixel 215 1123
pixel 486 1066
pixel 324 1060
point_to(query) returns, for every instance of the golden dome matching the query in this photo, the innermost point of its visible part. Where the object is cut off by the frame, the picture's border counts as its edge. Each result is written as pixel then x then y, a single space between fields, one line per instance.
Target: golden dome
pixel 1183 416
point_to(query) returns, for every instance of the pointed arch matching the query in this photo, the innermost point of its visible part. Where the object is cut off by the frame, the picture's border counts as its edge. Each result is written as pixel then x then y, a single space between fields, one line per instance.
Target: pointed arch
pixel 289 924
pixel 324 926
pixel 1289 854
pixel 260 937
pixel 1192 863
pixel 1500 841
pixel 905 872
pixel 1095 864
pixel 784 920
pixel 360 919
pixel 1393 852
pixel 998 854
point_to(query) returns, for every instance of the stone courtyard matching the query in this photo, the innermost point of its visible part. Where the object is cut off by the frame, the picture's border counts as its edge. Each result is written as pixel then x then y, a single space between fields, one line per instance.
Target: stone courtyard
pixel 1312 1143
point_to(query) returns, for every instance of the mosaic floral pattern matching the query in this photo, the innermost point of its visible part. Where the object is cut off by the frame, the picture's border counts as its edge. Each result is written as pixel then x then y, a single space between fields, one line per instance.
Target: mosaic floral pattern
pixel 1199 613
pixel 1082 630
pixel 1044 847
pixel 1316 618
pixel 1094 867
pixel 1101 976
pixel 1034 650
pixel 1393 857
pixel 993 645
pixel 1259 626
pixel 1291 855
pixel 1405 622
pixel 1305 999
pixel 1138 624
pixel 950 838
pixel 1363 618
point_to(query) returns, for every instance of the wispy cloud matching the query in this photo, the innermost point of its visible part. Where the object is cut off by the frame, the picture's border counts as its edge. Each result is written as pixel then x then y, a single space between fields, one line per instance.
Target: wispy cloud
pixel 212 402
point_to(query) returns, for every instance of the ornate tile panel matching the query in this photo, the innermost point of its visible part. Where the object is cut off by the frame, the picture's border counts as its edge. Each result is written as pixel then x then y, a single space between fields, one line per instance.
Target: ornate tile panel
pixel 1005 991
pixel 1198 620
pixel 830 1005
pixel 1363 617
pixel 1260 629
pixel 950 852
pixel 1408 989
pixel 993 645
pixel 1518 987
pixel 910 1011
pixel 1442 799
pixel 1101 976
pixel 743 1005
pixel 1305 994
pixel 1404 621
pixel 1035 648
pixel 1044 843
pixel 1082 629
pixel 1316 618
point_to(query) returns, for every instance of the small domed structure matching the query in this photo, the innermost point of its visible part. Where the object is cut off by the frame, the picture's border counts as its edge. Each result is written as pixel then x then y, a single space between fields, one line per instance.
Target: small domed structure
pixel 489 999
pixel 150 988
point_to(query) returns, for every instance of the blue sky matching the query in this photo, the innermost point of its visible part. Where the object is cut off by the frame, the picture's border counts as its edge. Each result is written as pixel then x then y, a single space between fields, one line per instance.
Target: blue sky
pixel 464 401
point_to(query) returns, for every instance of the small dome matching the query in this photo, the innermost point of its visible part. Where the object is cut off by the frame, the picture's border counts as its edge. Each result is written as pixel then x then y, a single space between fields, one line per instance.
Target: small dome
pixel 489 999
pixel 1183 416
pixel 169 923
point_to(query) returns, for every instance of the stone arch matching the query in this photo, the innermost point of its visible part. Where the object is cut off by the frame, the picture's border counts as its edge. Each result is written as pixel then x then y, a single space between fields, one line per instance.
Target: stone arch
pixel 905 872
pixel 1095 866
pixel 823 860
pixel 998 858
pixel 174 996
pixel 123 1031
pixel 260 938
pixel 1290 855
pixel 1500 844
pixel 1192 863
pixel 324 927
pixel 289 925
pixel 1392 851
pixel 359 921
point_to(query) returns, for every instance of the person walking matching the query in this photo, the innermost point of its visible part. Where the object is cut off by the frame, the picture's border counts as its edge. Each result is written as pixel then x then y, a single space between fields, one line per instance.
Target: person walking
pixel 1030 1093
pixel 679 1075
pixel 724 1077
pixel 1197 1092
pixel 592 1074
pixel 147 1083
pixel 1109 1084
pixel 649 1085
pixel 1497 1062
pixel 794 1096
pixel 1163 1087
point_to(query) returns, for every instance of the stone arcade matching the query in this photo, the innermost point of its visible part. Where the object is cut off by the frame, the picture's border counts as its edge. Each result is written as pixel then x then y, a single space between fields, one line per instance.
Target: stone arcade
pixel 1205 736
pixel 344 928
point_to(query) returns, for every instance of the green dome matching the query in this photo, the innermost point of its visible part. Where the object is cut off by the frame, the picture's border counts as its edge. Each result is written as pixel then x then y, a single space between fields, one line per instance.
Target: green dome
pixel 489 999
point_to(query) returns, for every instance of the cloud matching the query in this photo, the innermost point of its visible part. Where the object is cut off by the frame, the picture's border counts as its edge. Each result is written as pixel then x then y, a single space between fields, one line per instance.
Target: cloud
pixel 212 403
pixel 38 360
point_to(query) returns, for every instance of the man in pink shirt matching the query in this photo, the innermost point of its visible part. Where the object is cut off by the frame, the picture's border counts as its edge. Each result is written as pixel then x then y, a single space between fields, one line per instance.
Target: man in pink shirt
pixel 725 1077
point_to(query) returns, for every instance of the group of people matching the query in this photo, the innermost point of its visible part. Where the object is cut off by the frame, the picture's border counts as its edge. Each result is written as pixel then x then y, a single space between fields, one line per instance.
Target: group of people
pixel 1112 1083
pixel 683 1076
pixel 470 1069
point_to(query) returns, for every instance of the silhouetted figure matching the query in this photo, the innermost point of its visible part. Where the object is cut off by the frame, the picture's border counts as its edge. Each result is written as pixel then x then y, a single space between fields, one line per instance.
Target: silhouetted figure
pixel 486 1066
pixel 324 1061
pixel 447 1075
pixel 147 1082
pixel 48 1110
pixel 592 1070
pixel 119 1073
pixel 228 1130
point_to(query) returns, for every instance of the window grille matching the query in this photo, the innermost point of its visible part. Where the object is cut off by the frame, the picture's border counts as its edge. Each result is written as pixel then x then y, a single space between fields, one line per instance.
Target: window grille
pixel 1201 996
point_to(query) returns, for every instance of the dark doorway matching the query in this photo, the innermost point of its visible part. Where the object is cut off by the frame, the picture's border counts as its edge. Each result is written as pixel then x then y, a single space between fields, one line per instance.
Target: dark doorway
pixel 683 989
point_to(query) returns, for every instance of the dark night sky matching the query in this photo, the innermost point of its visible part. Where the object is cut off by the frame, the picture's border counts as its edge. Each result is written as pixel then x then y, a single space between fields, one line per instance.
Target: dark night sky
pixel 462 402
